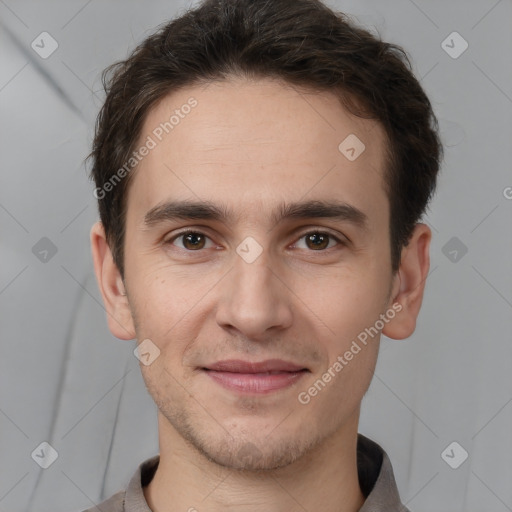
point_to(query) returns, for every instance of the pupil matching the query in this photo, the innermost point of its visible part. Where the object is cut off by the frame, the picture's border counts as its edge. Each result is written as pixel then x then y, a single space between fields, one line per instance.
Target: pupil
pixel 321 243
pixel 193 239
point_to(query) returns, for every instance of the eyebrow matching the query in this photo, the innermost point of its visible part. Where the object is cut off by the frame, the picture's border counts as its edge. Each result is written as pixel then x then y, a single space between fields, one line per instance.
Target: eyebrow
pixel 204 210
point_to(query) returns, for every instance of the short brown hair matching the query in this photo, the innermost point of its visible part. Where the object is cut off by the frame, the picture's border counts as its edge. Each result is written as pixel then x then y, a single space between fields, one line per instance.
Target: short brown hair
pixel 302 42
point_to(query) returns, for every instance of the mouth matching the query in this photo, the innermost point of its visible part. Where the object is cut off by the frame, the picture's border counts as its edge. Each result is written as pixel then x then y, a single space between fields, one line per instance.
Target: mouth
pixel 256 378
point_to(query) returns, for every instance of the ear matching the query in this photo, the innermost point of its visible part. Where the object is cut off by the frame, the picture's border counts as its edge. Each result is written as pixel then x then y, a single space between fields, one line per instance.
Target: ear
pixel 409 284
pixel 119 317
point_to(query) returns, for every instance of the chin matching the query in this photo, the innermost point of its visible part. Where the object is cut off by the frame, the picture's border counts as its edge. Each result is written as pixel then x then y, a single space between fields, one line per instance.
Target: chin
pixel 250 456
pixel 251 447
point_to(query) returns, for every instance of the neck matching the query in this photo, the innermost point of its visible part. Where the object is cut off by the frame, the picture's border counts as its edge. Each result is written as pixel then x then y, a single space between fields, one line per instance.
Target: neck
pixel 324 479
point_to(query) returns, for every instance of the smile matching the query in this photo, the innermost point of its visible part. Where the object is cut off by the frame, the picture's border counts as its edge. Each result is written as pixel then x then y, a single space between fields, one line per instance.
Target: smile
pixel 257 378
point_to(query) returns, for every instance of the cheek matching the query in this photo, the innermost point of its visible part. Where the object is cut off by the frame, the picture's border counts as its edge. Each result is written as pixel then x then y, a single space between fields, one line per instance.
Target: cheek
pixel 347 303
pixel 351 343
pixel 164 307
pixel 331 397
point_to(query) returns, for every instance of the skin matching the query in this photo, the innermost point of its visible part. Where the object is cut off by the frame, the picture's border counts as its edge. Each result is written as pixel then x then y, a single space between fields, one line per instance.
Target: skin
pixel 251 145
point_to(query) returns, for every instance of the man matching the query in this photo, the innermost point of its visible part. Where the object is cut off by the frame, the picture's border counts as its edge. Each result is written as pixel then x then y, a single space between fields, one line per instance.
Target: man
pixel 260 169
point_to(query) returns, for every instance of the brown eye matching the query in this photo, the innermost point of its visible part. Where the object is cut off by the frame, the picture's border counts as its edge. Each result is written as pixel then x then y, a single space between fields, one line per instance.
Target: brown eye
pixel 193 241
pixel 319 241
pixel 190 240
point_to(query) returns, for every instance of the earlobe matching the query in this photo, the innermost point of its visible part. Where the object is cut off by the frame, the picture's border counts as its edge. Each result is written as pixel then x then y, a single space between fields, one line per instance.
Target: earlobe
pixel 111 285
pixel 409 284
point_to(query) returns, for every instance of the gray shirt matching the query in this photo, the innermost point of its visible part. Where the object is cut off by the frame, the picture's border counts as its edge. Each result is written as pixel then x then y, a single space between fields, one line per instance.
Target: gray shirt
pixel 376 480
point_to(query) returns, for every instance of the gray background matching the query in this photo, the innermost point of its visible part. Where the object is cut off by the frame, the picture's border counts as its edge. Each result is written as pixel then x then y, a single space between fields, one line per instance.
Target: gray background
pixel 66 380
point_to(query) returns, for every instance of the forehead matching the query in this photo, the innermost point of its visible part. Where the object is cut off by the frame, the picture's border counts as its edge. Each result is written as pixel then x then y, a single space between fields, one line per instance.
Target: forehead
pixel 251 144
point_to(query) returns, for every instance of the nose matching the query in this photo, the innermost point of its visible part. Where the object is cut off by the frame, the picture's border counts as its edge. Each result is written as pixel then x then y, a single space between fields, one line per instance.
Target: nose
pixel 254 299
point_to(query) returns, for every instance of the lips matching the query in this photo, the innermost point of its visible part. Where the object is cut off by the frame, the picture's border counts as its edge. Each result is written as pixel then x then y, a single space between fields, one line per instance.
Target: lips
pixel 255 377
pixel 239 366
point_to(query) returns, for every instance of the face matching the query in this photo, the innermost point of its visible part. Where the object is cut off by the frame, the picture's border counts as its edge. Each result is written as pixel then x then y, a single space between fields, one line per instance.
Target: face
pixel 265 275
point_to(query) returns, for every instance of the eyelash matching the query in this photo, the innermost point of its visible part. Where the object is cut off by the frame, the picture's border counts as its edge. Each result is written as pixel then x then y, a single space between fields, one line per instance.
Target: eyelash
pixel 196 232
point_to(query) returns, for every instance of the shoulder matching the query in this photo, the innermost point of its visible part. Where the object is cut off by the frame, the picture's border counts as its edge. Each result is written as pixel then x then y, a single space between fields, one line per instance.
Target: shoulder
pixel 376 478
pixel 132 497
pixel 113 504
